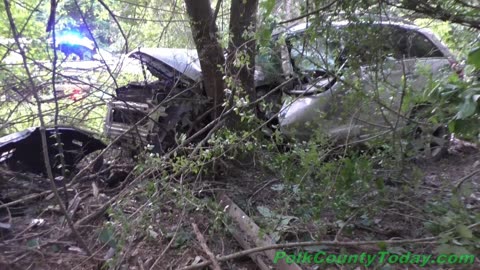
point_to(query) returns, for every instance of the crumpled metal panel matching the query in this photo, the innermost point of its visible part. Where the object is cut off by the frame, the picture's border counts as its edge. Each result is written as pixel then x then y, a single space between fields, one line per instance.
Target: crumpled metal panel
pixel 171 62
pixel 23 151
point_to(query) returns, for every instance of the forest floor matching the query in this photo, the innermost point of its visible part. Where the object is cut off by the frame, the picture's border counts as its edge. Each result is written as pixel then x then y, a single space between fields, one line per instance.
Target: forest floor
pixel 138 232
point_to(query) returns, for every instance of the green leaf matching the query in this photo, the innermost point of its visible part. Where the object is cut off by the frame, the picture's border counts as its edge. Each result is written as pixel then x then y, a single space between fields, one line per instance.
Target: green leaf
pixel 106 236
pixel 464 231
pixel 264 35
pixel 474 58
pixel 467 109
pixel 268 5
pixel 33 243
pixel 285 220
pixel 264 211
pixel 182 238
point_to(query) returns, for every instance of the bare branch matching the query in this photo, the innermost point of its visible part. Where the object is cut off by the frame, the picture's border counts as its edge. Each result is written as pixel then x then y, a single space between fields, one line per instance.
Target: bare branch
pixel 324 8
pixel 116 21
pixel 203 243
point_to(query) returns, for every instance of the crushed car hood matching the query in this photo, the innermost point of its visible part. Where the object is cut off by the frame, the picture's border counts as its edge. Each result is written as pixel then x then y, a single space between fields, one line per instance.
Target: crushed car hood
pixel 184 63
pixel 171 62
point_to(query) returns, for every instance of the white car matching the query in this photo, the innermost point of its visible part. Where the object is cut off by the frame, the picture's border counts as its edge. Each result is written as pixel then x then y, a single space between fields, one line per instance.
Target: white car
pixel 356 81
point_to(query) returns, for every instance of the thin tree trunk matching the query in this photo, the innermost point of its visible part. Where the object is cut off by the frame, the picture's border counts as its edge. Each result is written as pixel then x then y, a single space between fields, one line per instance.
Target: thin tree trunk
pixel 209 50
pixel 243 18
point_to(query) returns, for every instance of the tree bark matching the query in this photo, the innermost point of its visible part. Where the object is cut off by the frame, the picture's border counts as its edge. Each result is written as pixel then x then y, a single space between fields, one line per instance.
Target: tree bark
pixel 209 50
pixel 243 18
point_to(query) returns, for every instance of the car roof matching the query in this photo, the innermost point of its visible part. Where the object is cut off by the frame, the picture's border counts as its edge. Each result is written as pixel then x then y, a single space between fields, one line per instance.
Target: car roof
pixel 301 27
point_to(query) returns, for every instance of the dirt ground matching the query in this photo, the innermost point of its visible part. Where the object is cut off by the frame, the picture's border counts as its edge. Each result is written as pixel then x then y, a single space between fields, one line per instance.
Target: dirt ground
pixel 35 235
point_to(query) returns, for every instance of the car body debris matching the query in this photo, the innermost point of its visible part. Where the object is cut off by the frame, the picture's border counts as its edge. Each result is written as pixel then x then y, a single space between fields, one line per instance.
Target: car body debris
pixel 23 151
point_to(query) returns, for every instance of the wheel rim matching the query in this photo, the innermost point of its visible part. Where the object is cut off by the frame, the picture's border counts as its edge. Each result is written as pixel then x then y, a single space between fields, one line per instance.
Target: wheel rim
pixel 430 142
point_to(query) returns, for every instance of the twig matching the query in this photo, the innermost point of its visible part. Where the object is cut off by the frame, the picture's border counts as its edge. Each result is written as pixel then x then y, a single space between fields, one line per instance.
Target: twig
pixel 352 216
pixel 116 21
pixel 43 135
pixel 309 13
pixel 465 178
pixel 258 190
pixel 51 18
pixel 248 235
pixel 203 243
pixel 173 238
pixel 26 199
pixel 215 14
pixel 9 214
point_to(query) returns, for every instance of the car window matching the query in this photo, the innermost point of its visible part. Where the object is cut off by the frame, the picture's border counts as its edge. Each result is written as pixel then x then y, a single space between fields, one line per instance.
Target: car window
pixel 399 43
pixel 357 44
pixel 364 44
pixel 312 53
pixel 269 60
pixel 419 46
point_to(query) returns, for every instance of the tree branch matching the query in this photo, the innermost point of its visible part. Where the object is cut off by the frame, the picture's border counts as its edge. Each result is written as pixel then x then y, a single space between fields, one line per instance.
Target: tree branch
pixel 324 8
pixel 116 21
pixel 43 135
pixel 310 244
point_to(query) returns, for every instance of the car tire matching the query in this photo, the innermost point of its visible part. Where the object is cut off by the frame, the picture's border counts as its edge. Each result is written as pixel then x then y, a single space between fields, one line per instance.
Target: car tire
pixel 426 141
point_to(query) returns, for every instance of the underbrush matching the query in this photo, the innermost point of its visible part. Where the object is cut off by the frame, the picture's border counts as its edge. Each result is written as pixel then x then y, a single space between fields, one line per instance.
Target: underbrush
pixel 312 191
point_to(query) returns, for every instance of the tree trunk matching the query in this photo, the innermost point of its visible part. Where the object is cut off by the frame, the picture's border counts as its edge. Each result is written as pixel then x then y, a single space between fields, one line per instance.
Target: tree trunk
pixel 243 17
pixel 209 50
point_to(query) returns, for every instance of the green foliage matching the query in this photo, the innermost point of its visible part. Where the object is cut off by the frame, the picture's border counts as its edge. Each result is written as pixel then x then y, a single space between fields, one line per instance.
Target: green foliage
pixel 474 57
pixel 451 219
pixel 267 6
pixel 317 184
pixel 106 236
pixel 456 102
pixel 458 38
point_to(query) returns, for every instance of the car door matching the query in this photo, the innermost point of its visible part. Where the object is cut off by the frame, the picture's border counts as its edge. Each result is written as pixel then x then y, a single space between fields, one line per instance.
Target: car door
pixel 312 104
pixel 409 60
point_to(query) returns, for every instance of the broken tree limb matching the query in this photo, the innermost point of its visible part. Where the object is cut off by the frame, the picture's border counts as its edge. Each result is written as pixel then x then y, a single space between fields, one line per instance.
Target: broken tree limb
pixel 203 243
pixel 247 233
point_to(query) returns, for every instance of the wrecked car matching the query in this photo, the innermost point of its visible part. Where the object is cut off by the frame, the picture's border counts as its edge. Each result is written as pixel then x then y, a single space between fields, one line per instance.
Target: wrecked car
pixel 23 151
pixel 354 79
pixel 347 81
pixel 154 112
